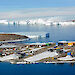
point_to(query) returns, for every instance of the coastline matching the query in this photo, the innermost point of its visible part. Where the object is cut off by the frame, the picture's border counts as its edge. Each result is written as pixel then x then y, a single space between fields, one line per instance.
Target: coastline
pixel 57 62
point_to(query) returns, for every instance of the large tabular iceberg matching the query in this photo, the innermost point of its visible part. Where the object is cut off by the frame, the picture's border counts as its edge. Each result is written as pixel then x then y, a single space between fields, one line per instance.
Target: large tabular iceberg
pixel 41 21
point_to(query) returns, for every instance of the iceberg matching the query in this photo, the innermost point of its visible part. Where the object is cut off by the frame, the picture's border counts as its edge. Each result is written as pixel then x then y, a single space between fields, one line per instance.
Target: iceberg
pixel 4 22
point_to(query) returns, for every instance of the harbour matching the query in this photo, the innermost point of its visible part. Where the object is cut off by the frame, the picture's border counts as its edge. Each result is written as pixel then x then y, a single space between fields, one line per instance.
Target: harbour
pixel 45 67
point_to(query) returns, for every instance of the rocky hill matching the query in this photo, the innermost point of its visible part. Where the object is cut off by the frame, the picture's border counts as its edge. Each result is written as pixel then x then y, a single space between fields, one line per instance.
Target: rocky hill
pixel 6 37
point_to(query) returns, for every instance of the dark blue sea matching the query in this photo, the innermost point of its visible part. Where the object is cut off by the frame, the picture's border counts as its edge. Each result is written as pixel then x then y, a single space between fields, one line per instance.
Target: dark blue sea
pixel 56 33
pixel 37 69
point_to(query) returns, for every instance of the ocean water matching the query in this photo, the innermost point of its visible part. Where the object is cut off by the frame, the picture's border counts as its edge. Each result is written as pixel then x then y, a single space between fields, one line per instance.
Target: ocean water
pixel 36 69
pixel 56 33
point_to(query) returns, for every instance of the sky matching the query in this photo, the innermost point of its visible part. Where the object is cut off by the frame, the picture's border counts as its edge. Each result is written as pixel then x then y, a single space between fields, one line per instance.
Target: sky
pixel 29 8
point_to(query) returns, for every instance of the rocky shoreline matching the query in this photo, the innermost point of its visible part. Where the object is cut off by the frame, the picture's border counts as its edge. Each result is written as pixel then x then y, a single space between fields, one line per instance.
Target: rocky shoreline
pixel 11 37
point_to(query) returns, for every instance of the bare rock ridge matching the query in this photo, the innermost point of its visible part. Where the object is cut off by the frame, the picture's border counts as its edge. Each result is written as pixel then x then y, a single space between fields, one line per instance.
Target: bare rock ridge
pixel 6 37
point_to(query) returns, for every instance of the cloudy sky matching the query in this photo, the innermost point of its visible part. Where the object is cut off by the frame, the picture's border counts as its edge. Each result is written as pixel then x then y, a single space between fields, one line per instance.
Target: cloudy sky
pixel 33 8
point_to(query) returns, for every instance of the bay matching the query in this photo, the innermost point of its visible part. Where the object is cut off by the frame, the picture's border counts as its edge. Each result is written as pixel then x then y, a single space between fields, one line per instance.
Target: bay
pixel 56 33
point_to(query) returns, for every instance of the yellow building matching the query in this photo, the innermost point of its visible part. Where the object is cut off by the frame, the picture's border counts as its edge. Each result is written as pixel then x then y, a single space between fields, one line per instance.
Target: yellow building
pixel 71 43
